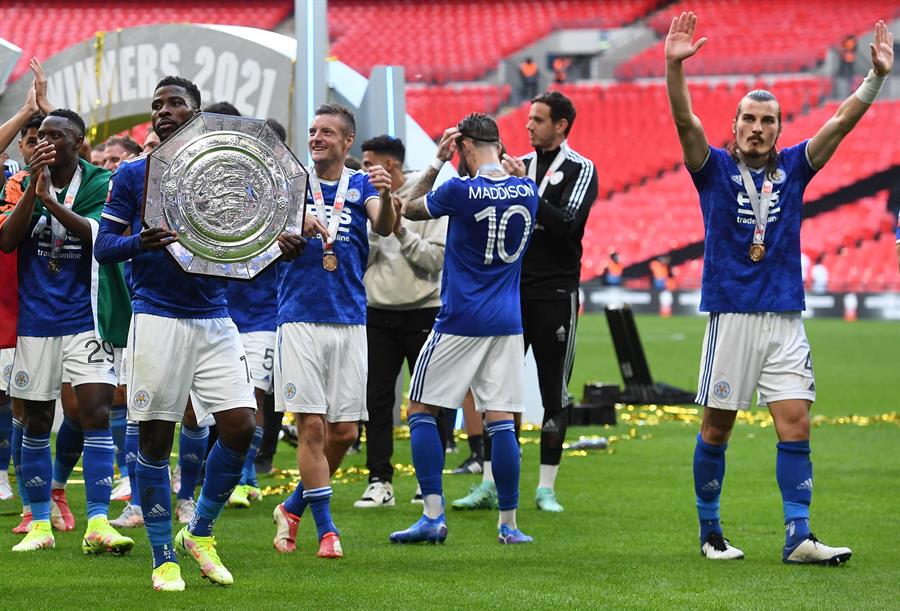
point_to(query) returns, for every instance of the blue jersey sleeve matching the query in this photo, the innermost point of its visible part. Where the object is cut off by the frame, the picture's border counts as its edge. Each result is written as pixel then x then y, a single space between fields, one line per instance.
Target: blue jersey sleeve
pixel 707 171
pixel 441 201
pixel 122 210
pixel 796 161
pixel 369 191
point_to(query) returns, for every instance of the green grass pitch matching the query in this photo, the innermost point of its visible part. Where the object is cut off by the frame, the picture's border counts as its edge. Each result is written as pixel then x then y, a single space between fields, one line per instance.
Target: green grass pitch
pixel 628 537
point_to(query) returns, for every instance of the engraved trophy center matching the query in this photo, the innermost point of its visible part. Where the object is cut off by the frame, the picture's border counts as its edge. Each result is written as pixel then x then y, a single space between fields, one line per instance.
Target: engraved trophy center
pixel 229 187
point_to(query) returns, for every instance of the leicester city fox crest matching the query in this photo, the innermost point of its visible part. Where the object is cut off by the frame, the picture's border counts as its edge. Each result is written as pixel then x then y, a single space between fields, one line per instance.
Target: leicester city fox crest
pixel 722 389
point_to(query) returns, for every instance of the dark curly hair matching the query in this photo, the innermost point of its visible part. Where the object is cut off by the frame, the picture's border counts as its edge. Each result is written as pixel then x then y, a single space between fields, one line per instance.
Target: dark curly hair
pixel 188 86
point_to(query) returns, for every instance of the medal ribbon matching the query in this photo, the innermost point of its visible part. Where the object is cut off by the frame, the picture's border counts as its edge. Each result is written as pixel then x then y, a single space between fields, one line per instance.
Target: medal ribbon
pixel 319 200
pixel 758 201
pixel 557 161
pixel 57 230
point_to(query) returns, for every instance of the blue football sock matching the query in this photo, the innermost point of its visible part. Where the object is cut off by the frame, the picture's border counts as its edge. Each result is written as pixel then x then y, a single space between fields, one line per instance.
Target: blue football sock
pixel 37 469
pixel 319 500
pixel 117 421
pixel 5 433
pixel 16 443
pixel 505 462
pixel 131 453
pixel 427 453
pixel 191 451
pixel 709 472
pixel 794 472
pixel 248 476
pixel 295 503
pixel 156 505
pixel 99 453
pixel 223 472
pixel 69 444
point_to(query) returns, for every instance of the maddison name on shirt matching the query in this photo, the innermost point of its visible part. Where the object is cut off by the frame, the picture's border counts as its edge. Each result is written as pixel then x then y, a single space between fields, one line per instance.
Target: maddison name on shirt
pixel 501 192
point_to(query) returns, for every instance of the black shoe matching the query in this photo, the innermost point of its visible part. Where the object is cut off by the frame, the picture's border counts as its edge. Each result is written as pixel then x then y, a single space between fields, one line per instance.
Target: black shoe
pixel 470 466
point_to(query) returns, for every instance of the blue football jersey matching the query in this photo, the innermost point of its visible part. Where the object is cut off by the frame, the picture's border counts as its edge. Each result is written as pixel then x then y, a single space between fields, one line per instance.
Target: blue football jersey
pixel 158 285
pixel 731 281
pixel 254 305
pixel 309 293
pixel 490 223
pixel 53 304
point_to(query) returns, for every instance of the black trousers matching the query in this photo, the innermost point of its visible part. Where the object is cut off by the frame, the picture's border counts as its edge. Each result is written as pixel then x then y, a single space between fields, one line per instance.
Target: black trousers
pixel 394 336
pixel 549 329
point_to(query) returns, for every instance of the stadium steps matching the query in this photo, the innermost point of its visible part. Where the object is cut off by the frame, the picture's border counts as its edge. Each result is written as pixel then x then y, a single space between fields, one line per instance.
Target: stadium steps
pixel 418 41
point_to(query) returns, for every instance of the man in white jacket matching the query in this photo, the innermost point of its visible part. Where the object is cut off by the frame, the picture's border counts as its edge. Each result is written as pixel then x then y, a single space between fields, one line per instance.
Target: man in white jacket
pixel 403 296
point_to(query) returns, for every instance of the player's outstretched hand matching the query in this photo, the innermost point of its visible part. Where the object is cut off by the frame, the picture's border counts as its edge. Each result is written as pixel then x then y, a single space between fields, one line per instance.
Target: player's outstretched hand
pixel 882 49
pixel 513 165
pixel 447 145
pixel 40 80
pixel 31 100
pixel 380 178
pixel 679 41
pixel 156 238
pixel 291 245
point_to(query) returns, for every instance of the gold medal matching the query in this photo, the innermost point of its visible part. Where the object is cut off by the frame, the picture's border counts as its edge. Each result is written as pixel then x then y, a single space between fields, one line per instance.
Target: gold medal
pixel 329 261
pixel 53 265
pixel 757 252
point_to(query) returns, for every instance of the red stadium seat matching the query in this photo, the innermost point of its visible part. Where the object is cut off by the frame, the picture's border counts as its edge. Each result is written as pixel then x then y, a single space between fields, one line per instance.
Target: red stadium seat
pixel 421 33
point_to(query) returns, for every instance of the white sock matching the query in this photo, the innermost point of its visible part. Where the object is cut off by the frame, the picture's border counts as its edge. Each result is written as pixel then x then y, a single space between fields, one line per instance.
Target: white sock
pixel 508 517
pixel 26 509
pixel 488 473
pixel 547 478
pixel 55 485
pixel 434 506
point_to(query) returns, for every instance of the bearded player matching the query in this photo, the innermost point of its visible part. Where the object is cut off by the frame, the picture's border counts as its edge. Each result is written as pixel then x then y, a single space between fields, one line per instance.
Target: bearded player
pixel 751 195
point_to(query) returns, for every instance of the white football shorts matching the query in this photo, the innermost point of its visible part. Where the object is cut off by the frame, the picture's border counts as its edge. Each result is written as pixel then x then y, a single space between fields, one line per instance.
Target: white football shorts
pixel 448 365
pixel 6 364
pixel 260 349
pixel 767 352
pixel 321 369
pixel 42 364
pixel 122 365
pixel 172 358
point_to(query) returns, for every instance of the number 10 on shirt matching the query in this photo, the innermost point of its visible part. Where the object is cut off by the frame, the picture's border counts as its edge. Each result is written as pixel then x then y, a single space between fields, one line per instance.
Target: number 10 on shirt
pixel 497 236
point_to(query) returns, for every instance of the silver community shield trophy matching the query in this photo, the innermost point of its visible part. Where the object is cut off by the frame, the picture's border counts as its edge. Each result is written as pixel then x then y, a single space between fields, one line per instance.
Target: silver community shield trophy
pixel 228 186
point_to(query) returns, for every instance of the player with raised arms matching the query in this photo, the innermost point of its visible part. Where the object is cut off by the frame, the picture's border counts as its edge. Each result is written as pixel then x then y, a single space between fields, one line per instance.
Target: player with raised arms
pixel 477 338
pixel 751 197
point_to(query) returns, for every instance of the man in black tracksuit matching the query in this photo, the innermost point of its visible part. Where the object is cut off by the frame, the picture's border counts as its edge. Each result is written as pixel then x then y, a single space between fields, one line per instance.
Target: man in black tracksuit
pixel 567 184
